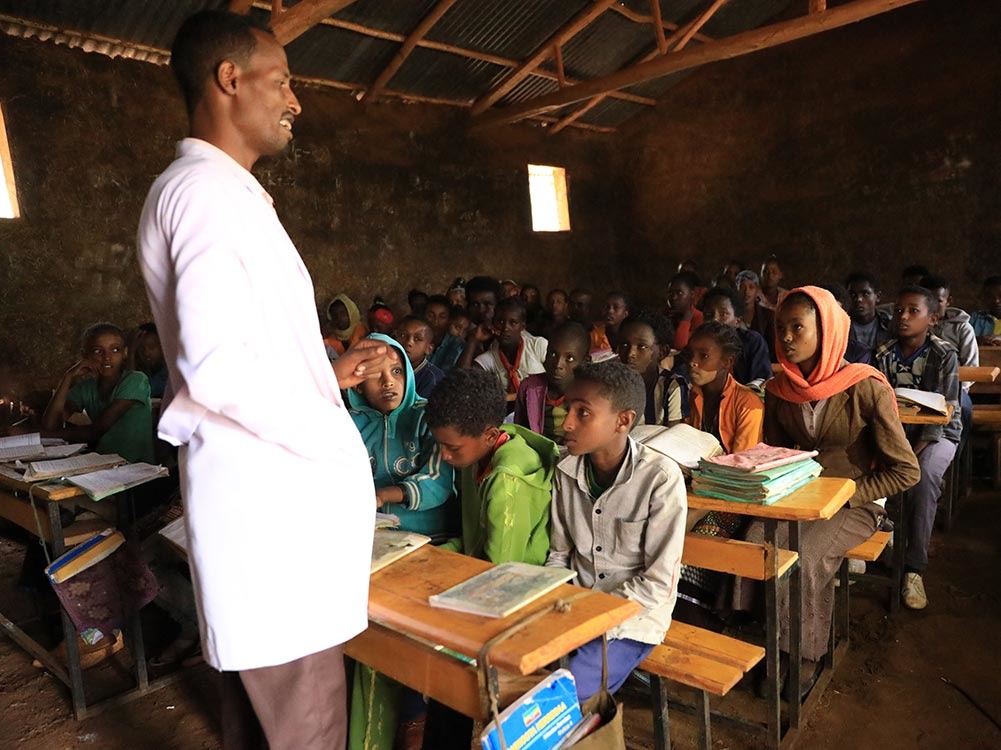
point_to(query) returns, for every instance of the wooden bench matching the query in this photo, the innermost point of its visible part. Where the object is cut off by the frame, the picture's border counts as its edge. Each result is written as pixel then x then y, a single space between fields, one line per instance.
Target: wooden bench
pixel 868 551
pixel 709 662
pixel 987 418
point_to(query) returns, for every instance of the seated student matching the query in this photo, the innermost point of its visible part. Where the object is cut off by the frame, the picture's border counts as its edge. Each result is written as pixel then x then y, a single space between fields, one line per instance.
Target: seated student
pixel 870 325
pixel 917 358
pixel 540 405
pixel 912 275
pixel 634 549
pixel 417 301
pixel 482 295
pixel 447 348
pixel 848 414
pixel 987 322
pixel 646 341
pixel 509 288
pixel 116 399
pixel 733 414
pixel 726 306
pixel 757 317
pixel 506 470
pixel 699 290
pixel 459 324
pixel 532 298
pixel 954 326
pixel 348 326
pixel 605 335
pixel 681 307
pixel 771 278
pixel 414 483
pixel 579 307
pixel 505 492
pixel 512 354
pixel 146 356
pixel 418 341
pixel 555 315
pixel 456 293
pixel 380 317
pixel 855 352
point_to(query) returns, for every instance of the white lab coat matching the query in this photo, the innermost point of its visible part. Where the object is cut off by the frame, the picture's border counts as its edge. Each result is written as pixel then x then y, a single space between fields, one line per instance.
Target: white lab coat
pixel 278 493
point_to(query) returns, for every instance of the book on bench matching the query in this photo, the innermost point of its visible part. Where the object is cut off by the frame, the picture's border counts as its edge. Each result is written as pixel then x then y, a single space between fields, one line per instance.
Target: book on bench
pixel 65 467
pixel 502 589
pixel 929 400
pixel 16 447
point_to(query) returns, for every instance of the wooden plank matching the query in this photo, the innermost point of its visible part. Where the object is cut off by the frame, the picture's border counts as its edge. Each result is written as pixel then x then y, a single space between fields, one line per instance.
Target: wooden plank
pixel 732 556
pixel 398 599
pixel 715 646
pixel 733 46
pixel 18 511
pixel 409 44
pixel 240 7
pixel 986 418
pixel 990 356
pixel 871 548
pixel 580 22
pixel 814 501
pixel 692 670
pixel 303 16
pixel 979 374
pixel 927 417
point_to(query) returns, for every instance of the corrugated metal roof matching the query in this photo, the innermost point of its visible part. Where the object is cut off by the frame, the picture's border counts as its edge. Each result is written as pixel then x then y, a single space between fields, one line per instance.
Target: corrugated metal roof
pixel 511 29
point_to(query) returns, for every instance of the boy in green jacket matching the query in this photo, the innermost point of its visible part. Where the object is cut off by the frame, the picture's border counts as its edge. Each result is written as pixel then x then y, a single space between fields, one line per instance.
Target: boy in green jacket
pixel 505 490
pixel 506 479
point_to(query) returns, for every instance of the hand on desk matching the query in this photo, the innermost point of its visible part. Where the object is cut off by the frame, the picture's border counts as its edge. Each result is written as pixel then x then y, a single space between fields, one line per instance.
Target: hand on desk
pixel 361 361
pixel 386 495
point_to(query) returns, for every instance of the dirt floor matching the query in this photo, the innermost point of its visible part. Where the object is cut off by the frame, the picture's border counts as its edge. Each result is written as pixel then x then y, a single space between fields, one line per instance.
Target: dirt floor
pixel 913 681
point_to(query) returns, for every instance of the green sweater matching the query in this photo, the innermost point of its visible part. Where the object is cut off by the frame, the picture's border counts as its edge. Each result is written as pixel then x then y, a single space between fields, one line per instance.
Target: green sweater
pixel 506 517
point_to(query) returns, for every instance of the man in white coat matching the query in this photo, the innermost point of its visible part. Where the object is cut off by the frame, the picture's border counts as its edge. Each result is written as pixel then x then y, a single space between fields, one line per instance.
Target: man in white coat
pixel 278 493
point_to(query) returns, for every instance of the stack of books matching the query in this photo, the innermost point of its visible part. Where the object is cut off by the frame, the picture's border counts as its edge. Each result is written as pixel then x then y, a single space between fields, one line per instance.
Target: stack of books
pixel 761 474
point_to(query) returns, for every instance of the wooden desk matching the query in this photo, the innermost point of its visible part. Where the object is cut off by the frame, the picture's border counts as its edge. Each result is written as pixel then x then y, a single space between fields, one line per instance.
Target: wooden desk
pixel 36 508
pixel 927 417
pixel 405 631
pixel 815 501
pixel 979 374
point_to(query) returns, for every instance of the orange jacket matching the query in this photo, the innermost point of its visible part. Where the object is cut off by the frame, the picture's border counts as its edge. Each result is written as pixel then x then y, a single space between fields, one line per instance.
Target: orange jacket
pixel 741 415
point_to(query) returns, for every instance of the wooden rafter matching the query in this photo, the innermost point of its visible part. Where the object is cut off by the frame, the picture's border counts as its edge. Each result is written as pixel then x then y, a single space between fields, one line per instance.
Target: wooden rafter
pixel 561 76
pixel 818 6
pixel 635 17
pixel 240 6
pixel 409 44
pixel 658 26
pixel 675 43
pixel 303 16
pixel 724 49
pixel 505 62
pixel 580 22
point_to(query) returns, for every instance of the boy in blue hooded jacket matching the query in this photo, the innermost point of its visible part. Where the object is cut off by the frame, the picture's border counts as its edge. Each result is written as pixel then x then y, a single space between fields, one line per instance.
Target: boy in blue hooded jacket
pixel 413 482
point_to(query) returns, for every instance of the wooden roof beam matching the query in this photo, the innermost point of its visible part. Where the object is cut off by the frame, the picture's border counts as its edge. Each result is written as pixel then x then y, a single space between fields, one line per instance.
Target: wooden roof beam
pixel 734 46
pixel 658 26
pixel 635 17
pixel 240 7
pixel 300 18
pixel 409 44
pixel 676 42
pixel 576 25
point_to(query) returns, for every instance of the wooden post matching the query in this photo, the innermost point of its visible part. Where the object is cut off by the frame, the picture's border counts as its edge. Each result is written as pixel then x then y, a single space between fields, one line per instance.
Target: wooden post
pixel 561 77
pixel 658 26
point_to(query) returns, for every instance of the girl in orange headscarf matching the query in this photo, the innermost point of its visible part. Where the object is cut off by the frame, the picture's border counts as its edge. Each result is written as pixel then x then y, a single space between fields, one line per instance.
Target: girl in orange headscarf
pixel 848 413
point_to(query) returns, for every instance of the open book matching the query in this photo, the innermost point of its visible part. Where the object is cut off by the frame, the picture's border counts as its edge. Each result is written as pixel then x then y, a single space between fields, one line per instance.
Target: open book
pixel 389 546
pixel 502 589
pixel 682 443
pixel 100 484
pixel 64 467
pixel 21 446
pixel 922 399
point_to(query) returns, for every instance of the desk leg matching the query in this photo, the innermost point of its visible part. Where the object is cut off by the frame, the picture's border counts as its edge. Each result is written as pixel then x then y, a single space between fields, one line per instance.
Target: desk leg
pixel 772 640
pixel 133 629
pixel 795 624
pixel 899 549
pixel 69 630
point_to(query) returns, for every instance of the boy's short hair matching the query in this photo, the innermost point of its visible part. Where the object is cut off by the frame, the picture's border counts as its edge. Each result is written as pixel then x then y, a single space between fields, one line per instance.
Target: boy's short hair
pixel 617 382
pixel 571 329
pixel 412 319
pixel 933 281
pixel 414 294
pixel 915 270
pixel 930 299
pixel 863 276
pixel 469 399
pixel 511 304
pixel 439 299
pixel 558 291
pixel 479 284
pixel 204 40
pixel 747 275
pixel 726 337
pixel 99 329
pixel 727 292
pixel 663 329
pixel 838 291
pixel 688 278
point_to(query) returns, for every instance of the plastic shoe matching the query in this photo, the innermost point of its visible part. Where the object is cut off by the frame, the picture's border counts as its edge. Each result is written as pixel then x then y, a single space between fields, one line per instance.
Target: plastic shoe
pixel 914 592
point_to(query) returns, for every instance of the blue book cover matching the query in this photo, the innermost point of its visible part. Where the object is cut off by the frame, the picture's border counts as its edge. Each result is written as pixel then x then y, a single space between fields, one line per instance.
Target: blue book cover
pixel 540 719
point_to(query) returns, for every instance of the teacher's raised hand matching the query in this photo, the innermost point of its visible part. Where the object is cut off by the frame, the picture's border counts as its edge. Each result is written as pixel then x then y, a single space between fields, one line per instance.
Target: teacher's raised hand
pixel 361 361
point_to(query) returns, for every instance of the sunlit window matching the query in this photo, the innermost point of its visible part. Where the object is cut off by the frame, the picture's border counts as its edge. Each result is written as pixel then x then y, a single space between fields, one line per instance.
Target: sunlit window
pixel 547 187
pixel 8 195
